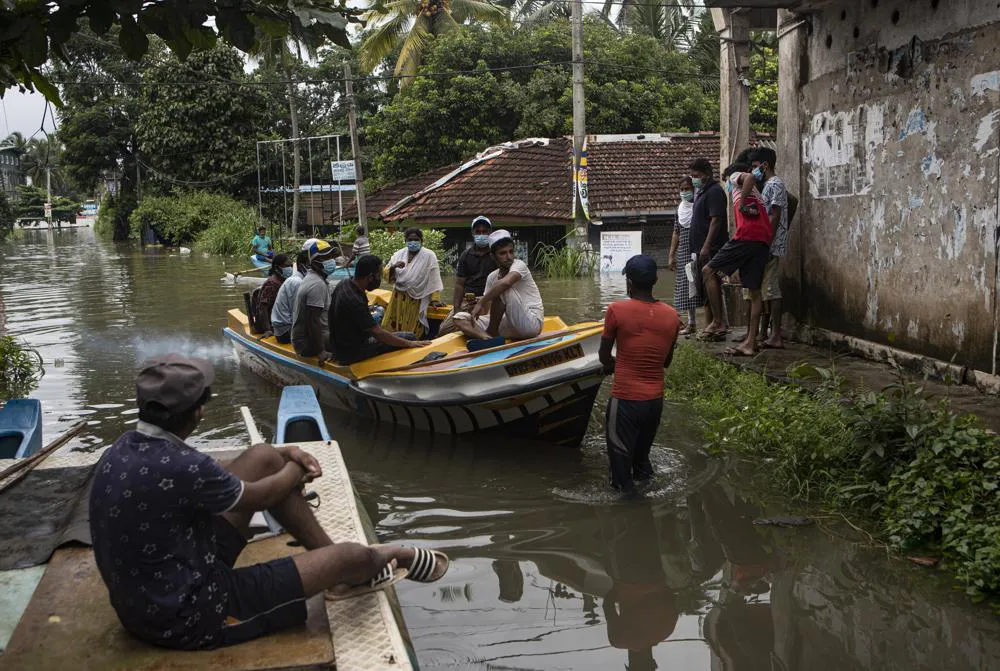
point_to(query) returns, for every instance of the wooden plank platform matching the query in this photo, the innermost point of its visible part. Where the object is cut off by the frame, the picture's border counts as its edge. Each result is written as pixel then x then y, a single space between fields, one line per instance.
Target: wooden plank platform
pixel 69 622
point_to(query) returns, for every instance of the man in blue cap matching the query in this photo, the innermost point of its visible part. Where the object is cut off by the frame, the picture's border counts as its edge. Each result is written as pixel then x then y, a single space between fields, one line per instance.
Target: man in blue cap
pixel 645 332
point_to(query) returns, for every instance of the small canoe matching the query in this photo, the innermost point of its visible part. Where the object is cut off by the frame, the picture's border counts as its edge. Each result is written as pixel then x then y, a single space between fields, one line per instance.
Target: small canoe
pixel 543 388
pixel 299 416
pixel 20 428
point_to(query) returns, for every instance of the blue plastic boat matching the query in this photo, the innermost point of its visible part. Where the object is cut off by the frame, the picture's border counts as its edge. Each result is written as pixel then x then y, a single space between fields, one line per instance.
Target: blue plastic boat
pixel 20 428
pixel 300 418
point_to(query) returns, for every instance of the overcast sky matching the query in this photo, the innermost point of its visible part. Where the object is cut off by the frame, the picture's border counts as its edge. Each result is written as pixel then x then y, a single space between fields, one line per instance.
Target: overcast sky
pixel 23 112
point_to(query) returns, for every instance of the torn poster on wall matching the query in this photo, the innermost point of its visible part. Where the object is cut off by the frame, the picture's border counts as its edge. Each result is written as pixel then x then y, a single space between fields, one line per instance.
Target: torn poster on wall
pixel 839 151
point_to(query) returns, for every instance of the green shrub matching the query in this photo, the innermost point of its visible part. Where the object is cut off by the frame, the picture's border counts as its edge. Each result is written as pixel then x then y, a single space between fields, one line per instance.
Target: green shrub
pixel 113 217
pixel 6 217
pixel 926 478
pixel 179 219
pixel 20 369
pixel 565 261
pixel 230 232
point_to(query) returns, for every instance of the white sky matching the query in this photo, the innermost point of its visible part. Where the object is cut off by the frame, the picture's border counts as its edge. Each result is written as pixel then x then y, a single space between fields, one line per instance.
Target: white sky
pixel 23 112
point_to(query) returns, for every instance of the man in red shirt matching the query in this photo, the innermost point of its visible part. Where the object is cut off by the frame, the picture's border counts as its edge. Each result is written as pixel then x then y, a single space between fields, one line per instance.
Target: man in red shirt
pixel 748 252
pixel 645 331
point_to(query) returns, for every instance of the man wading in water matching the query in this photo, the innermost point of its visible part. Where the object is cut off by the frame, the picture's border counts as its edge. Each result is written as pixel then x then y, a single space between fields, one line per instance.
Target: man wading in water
pixel 645 331
pixel 168 523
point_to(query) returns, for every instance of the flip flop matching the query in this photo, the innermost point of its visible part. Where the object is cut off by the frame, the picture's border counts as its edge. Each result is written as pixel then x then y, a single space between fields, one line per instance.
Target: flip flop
pixel 732 351
pixel 425 564
pixel 714 336
pixel 688 330
pixel 387 577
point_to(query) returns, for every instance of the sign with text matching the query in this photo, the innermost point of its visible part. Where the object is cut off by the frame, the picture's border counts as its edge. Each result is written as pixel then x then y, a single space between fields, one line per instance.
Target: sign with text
pixel 617 247
pixel 343 171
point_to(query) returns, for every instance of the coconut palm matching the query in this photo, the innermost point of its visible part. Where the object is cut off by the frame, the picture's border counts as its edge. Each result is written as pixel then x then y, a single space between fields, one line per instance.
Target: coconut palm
pixel 533 11
pixel 15 141
pixel 407 25
pixel 672 23
pixel 44 155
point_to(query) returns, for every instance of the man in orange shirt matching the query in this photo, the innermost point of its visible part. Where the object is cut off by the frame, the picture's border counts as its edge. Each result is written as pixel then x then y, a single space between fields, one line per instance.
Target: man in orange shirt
pixel 645 331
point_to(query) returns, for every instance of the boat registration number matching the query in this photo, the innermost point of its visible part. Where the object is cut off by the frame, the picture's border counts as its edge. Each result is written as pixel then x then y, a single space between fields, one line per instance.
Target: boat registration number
pixel 545 361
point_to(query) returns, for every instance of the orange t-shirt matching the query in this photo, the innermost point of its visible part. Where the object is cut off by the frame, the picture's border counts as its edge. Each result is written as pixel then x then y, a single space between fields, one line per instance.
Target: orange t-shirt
pixel 644 333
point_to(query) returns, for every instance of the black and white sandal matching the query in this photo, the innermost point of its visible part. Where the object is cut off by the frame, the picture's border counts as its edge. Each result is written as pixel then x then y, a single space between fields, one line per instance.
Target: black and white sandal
pixel 388 576
pixel 426 564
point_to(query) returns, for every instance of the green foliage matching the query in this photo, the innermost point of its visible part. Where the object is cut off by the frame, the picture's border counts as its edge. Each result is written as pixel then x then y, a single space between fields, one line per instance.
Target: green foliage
pixel 924 476
pixel 633 84
pixel 7 217
pixel 386 243
pixel 565 261
pixel 20 369
pixel 190 132
pixel 181 218
pixel 33 32
pixel 30 204
pixel 764 92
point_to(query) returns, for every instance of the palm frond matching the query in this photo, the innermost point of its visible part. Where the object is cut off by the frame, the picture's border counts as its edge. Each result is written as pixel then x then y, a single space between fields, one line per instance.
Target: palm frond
pixel 483 11
pixel 548 10
pixel 443 23
pixel 412 51
pixel 383 40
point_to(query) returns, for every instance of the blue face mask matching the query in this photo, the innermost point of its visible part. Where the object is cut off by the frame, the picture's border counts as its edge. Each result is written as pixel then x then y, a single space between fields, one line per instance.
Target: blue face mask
pixel 687 196
pixel 286 272
pixel 329 266
pixel 758 174
pixel 414 246
pixel 696 182
pixel 481 240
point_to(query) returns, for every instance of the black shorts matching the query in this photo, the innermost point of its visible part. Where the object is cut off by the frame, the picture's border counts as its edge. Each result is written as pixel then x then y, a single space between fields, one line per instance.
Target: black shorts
pixel 749 258
pixel 262 598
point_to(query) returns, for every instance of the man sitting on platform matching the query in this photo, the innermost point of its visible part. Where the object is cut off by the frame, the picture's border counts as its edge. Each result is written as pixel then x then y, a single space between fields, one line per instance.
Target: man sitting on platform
pixel 354 335
pixel 262 245
pixel 517 313
pixel 168 523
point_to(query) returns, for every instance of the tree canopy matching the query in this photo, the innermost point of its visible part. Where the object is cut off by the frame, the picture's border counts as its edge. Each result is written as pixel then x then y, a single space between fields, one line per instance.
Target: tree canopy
pixel 34 32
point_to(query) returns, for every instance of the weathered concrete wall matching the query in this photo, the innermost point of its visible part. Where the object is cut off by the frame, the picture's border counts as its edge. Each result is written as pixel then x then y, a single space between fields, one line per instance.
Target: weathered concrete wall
pixel 898 112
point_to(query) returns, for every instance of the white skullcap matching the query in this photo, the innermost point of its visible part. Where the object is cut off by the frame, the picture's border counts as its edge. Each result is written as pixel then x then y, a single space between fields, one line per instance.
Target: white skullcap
pixel 498 236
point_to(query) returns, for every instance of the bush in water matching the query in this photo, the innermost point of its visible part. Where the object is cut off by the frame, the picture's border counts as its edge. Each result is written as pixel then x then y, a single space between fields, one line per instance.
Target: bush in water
pixel 6 217
pixel 20 369
pixel 926 478
pixel 180 219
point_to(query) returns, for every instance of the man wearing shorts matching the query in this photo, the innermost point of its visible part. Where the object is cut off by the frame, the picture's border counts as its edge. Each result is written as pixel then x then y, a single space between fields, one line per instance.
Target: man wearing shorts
pixel 645 332
pixel 511 297
pixel 747 252
pixel 168 523
pixel 775 197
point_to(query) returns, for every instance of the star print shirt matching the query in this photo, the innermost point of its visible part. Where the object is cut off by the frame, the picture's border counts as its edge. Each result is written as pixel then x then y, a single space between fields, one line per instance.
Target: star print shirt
pixel 151 510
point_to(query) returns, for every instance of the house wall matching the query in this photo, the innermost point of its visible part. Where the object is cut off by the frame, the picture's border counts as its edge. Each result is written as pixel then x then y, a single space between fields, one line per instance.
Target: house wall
pixel 890 117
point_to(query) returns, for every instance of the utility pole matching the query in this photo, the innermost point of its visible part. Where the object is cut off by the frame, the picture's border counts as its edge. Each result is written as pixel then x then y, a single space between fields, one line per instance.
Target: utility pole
pixel 579 124
pixel 359 179
pixel 48 195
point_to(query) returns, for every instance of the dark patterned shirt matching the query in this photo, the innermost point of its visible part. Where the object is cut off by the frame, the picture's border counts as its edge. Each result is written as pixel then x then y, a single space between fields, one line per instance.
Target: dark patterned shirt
pixel 151 511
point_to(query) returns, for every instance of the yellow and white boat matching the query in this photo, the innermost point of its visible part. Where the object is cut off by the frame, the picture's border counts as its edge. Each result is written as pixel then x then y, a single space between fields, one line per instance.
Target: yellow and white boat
pixel 543 388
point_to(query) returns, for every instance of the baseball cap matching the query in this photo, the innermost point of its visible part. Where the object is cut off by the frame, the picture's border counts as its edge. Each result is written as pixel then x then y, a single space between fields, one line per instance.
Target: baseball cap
pixel 319 248
pixel 482 220
pixel 308 243
pixel 641 269
pixel 499 236
pixel 173 381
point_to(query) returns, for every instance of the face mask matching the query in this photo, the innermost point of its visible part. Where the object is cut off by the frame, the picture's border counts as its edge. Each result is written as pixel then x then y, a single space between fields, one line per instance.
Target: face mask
pixel 481 240
pixel 728 186
pixel 687 196
pixel 329 266
pixel 758 174
pixel 286 272
pixel 696 182
pixel 413 245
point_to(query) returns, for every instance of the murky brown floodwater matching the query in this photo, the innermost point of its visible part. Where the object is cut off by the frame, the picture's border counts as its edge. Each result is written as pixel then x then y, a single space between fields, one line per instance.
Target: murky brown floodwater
pixel 550 572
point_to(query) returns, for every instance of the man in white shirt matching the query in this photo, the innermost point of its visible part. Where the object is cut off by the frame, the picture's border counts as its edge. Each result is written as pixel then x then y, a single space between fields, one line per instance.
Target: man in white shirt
pixel 517 314
pixel 284 304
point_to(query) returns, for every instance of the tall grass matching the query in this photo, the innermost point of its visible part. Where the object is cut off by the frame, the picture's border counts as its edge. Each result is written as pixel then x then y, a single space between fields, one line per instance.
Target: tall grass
pixel 565 261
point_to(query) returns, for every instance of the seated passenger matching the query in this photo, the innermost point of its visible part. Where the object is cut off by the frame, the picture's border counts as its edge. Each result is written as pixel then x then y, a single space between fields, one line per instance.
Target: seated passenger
pixel 417 277
pixel 281 268
pixel 517 314
pixel 354 335
pixel 284 303
pixel 310 332
pixel 262 245
pixel 474 267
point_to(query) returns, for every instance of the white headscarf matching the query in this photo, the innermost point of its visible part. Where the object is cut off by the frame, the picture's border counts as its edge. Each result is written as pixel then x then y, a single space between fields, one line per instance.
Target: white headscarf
pixel 419 278
pixel 685 211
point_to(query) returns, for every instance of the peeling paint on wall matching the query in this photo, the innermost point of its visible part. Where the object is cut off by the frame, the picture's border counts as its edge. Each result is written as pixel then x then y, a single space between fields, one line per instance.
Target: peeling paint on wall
pixel 985 131
pixel 988 81
pixel 840 150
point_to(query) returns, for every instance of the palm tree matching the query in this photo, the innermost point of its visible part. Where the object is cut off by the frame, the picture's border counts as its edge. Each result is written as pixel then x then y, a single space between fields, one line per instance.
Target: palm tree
pixel 533 11
pixel 44 155
pixel 673 24
pixel 408 25
pixel 16 142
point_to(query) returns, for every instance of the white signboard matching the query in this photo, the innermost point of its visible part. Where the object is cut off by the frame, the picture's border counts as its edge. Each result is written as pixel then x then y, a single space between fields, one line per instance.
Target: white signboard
pixel 617 247
pixel 343 171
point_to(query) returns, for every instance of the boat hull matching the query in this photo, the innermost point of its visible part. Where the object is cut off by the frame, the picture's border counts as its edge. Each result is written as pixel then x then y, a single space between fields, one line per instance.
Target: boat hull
pixel 552 404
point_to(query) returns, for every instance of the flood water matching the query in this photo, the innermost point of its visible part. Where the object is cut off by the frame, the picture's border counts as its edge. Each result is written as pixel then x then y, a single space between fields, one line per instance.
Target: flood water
pixel 549 570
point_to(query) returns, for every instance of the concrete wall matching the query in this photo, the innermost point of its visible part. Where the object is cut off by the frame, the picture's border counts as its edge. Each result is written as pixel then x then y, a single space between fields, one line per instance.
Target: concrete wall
pixel 889 112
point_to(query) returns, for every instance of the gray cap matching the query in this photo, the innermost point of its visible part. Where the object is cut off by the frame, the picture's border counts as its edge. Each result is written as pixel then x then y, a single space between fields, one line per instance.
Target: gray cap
pixel 174 381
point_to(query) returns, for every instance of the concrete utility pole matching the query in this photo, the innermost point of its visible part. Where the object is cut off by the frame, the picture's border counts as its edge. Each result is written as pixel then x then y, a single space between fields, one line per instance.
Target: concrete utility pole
pixel 48 195
pixel 359 179
pixel 579 120
pixel 733 26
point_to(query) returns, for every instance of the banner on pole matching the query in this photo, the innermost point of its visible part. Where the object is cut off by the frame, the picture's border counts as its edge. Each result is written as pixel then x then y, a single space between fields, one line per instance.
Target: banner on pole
pixel 617 247
pixel 343 171
pixel 581 183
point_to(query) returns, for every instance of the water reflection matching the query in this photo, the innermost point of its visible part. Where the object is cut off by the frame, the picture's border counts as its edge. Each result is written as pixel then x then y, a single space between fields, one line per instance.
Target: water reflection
pixel 551 570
